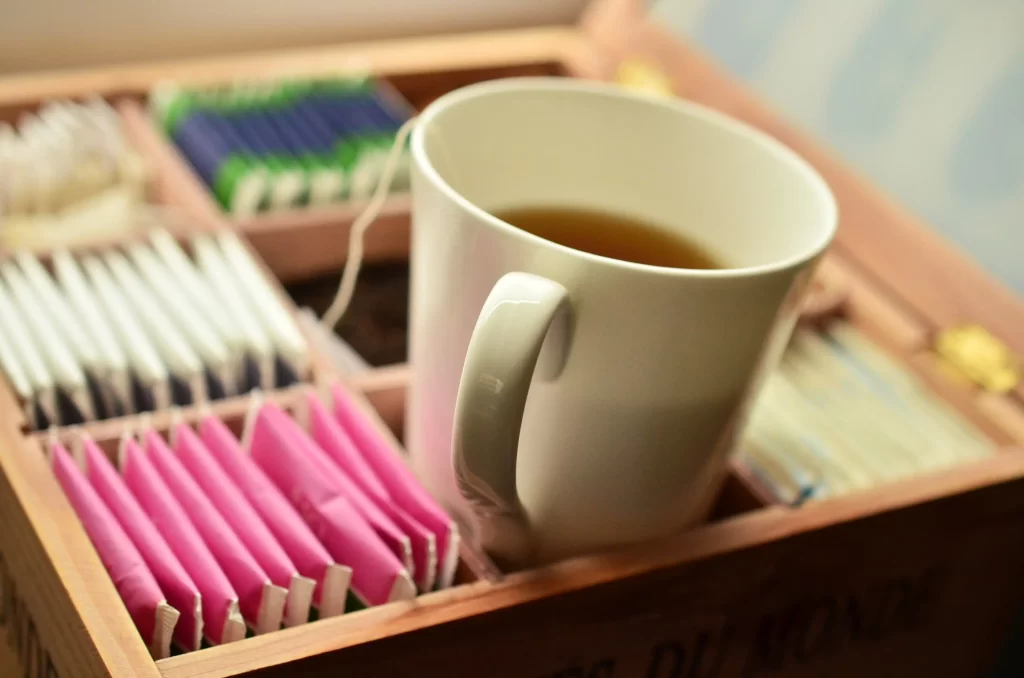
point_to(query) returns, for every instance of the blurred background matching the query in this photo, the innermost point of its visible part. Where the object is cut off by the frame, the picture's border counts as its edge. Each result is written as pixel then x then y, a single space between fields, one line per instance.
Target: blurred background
pixel 926 97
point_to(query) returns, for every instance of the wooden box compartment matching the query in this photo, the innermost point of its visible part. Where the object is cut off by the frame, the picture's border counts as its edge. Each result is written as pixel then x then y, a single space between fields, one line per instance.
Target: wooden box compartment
pixel 63 615
pixel 879 582
pixel 306 241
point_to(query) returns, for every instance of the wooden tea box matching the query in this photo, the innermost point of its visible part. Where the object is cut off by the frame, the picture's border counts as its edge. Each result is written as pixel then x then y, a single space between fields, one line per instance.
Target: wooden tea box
pixel 885 581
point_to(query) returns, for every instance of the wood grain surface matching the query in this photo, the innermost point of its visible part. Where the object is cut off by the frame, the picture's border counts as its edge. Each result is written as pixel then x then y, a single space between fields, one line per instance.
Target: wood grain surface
pixel 9 664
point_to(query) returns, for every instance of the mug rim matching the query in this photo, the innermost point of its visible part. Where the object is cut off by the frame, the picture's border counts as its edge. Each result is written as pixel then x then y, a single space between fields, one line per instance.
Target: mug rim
pixel 764 141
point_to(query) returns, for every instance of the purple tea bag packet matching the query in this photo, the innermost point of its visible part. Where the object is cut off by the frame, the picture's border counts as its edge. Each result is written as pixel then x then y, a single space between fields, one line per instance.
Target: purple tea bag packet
pixel 182 593
pixel 377 575
pixel 298 541
pixel 388 532
pixel 403 486
pixel 333 440
pixel 146 604
pixel 245 521
pixel 221 621
pixel 261 603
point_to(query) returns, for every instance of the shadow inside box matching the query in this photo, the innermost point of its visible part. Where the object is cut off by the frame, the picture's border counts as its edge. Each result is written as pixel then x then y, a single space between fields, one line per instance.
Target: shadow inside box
pixel 376 323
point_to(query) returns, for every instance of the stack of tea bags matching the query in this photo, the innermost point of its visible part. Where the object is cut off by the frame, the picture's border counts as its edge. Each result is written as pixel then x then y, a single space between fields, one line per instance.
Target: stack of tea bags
pixel 839 415
pixel 122 331
pixel 67 173
pixel 289 143
pixel 206 536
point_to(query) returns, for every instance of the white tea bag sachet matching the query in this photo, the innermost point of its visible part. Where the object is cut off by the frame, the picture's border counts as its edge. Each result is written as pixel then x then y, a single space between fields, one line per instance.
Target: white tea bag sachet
pixel 56 307
pixel 203 339
pixel 275 319
pixel 43 387
pixel 175 351
pixel 213 266
pixel 66 371
pixel 202 296
pixel 67 324
pixel 146 364
pixel 82 303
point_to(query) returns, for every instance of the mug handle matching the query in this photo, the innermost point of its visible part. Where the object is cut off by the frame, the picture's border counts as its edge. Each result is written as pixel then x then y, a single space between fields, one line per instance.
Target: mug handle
pixel 500 363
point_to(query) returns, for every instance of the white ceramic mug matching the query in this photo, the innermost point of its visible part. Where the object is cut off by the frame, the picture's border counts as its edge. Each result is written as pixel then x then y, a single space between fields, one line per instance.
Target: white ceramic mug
pixel 562 401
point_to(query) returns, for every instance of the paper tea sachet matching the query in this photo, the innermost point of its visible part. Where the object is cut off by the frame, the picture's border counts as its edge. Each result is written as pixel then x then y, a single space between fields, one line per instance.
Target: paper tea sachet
pixel 204 298
pixel 82 302
pixel 220 278
pixel 222 622
pixel 245 521
pixel 333 440
pixel 146 604
pixel 59 359
pixel 284 521
pixel 44 390
pixel 403 486
pixel 378 576
pixel 182 593
pixel 74 335
pixel 386 528
pixel 276 320
pixel 226 368
pixel 147 367
pixel 259 600
pixel 177 354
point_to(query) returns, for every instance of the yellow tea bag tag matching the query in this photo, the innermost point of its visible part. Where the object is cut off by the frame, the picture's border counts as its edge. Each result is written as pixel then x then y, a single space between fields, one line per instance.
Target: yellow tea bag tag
pixel 974 352
pixel 644 76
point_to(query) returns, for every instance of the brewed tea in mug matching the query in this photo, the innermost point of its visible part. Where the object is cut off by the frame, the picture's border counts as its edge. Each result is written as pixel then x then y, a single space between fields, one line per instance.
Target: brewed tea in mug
pixel 610 234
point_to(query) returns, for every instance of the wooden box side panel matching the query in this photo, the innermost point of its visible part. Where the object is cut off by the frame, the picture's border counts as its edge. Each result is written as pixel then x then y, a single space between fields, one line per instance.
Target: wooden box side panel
pixel 858 586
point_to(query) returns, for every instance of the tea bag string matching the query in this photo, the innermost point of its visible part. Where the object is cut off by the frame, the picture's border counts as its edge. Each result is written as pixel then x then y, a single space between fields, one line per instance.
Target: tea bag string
pixel 366 218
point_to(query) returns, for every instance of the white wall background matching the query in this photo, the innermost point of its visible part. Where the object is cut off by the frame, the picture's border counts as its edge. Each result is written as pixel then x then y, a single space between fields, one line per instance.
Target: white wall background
pixel 925 97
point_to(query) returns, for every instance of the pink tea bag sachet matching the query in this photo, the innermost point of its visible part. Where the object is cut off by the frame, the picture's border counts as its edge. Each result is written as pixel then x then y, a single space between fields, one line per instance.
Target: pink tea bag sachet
pixel 146 604
pixel 245 521
pixel 170 574
pixel 378 576
pixel 332 439
pixel 402 485
pixel 222 622
pixel 309 555
pixel 388 532
pixel 260 601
